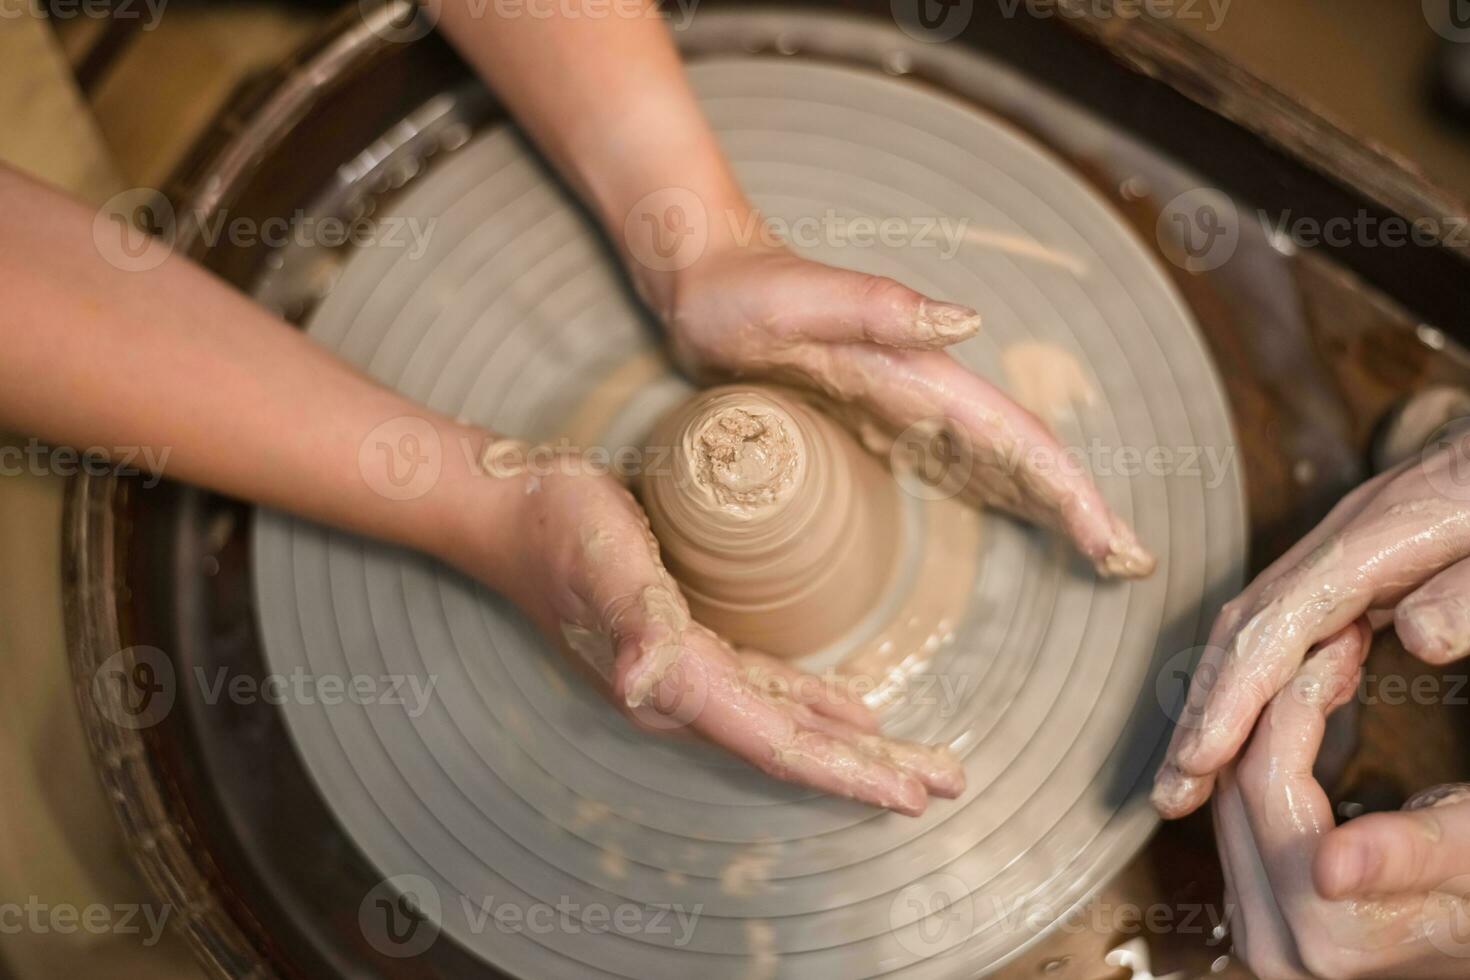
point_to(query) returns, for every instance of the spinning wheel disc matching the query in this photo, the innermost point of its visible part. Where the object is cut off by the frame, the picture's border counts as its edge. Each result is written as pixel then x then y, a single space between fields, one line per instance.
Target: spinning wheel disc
pixel 502 781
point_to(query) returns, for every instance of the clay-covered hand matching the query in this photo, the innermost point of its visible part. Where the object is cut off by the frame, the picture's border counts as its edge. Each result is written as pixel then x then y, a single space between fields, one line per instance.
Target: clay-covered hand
pixel 877 348
pixel 1398 540
pixel 1380 896
pixel 584 565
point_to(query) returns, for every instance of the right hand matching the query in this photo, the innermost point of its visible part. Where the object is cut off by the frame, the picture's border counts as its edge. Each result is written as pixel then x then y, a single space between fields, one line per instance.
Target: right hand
pixel 575 552
pixel 876 349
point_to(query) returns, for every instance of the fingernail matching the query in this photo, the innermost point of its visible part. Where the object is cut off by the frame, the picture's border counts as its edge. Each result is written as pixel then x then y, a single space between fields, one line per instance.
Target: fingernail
pixel 1348 870
pixel 1125 557
pixel 1171 791
pixel 1429 630
pixel 947 321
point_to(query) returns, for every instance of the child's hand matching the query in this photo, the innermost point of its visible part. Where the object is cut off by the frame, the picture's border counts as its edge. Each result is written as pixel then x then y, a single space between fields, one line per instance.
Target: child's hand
pixel 877 346
pixel 575 552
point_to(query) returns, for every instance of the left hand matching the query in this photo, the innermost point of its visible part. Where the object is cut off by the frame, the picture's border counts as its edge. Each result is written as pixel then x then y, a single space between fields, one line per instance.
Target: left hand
pixel 1381 896
pixel 877 347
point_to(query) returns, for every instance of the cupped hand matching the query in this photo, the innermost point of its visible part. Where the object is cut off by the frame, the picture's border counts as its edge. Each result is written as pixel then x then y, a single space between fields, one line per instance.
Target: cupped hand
pixel 876 347
pixel 1380 896
pixel 584 565
pixel 1398 542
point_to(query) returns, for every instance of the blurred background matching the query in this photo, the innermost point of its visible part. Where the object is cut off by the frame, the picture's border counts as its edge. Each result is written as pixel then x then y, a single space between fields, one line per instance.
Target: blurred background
pixel 96 104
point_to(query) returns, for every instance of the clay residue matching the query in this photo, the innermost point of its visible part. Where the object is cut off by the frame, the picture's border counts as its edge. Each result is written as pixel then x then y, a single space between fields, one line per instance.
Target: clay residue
pixel 1047 379
pixel 929 609
pixel 743 454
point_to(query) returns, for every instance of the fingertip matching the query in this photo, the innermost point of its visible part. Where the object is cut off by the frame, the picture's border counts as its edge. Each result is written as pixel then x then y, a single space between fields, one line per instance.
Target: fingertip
pixel 939 324
pixel 1126 558
pixel 949 782
pixel 1177 794
pixel 1420 629
pixel 910 797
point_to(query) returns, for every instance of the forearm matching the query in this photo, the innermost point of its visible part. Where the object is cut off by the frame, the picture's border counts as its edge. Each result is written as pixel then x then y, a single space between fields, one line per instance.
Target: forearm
pixel 241 402
pixel 604 96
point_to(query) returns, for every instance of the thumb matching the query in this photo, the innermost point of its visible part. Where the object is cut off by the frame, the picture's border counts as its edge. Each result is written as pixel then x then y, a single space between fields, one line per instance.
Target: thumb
pixel 1421 849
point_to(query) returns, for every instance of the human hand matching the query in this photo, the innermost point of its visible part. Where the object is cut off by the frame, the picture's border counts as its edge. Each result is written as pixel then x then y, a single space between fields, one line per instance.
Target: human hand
pixel 876 347
pixel 1396 541
pixel 575 552
pixel 1380 896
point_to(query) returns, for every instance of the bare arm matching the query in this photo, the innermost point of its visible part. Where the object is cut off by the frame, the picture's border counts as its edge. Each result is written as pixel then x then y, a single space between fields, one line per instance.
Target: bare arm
pixel 604 95
pixel 605 98
pixel 173 359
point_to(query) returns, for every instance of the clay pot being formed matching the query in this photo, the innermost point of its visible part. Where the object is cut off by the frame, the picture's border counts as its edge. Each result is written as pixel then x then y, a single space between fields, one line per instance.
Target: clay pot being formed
pixel 782 531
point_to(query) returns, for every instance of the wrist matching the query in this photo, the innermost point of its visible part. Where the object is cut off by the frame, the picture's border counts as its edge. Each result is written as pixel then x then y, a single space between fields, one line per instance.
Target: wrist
pixel 474 504
pixel 671 237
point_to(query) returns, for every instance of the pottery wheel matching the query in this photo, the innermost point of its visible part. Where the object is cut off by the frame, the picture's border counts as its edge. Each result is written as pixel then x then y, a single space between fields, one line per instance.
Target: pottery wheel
pixel 512 784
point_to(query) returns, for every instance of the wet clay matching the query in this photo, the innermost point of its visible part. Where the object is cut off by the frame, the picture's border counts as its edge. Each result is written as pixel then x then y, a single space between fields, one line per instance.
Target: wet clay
pixel 1047 379
pixel 782 531
pixel 931 604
